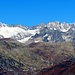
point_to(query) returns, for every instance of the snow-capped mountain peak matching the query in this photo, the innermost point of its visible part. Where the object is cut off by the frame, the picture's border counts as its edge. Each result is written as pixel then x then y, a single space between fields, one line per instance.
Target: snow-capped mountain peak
pixel 16 32
pixel 23 27
pixel 64 27
pixel 51 32
pixel 3 24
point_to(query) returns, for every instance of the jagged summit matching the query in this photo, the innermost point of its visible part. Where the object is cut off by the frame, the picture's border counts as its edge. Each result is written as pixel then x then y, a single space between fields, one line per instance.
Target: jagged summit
pixel 51 32
pixel 3 24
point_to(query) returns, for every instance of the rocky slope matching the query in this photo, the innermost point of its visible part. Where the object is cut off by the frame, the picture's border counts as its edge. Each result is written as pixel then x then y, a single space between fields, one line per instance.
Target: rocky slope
pixel 64 68
pixel 17 57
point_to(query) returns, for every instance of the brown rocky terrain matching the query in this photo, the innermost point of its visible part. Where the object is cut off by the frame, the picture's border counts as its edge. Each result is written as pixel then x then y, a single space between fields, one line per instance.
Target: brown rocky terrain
pixel 64 68
pixel 20 59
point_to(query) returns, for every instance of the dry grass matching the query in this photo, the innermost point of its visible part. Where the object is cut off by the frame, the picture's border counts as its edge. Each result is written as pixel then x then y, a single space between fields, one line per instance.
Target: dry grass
pixel 38 55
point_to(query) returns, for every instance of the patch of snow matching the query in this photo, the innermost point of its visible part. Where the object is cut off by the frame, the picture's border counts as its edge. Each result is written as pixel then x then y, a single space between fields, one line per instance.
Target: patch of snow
pixel 11 31
pixel 51 29
pixel 49 38
pixel 63 29
pixel 24 40
pixel 73 28
pixel 36 41
pixel 33 32
pixel 55 29
pixel 45 35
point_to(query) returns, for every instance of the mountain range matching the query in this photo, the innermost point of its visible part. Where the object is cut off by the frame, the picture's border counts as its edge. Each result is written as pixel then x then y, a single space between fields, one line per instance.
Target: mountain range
pixel 45 49
pixel 51 32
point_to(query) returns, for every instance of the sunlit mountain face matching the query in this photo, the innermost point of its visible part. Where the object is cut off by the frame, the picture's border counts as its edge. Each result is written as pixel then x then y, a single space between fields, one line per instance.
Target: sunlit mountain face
pixel 51 32
pixel 45 49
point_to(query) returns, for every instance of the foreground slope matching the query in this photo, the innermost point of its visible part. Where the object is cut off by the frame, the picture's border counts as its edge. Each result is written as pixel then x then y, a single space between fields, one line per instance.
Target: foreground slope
pixel 64 68
pixel 16 56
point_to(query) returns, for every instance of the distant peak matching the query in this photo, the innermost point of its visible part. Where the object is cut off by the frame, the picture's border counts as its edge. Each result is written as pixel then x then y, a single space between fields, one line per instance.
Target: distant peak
pixel 3 24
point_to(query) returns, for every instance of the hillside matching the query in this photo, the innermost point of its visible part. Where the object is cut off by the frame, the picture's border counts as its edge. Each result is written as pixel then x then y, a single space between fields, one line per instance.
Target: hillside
pixel 34 56
pixel 64 68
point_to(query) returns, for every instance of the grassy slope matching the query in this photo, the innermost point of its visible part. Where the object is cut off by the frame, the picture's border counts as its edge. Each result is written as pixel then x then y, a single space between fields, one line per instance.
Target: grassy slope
pixel 38 55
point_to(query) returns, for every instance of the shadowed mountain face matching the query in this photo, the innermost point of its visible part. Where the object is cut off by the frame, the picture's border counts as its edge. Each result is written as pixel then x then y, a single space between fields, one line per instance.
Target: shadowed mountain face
pixel 20 59
pixel 64 68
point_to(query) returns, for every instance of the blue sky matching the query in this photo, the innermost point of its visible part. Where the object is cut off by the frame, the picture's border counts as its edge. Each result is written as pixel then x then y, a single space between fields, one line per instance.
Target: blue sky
pixel 34 12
